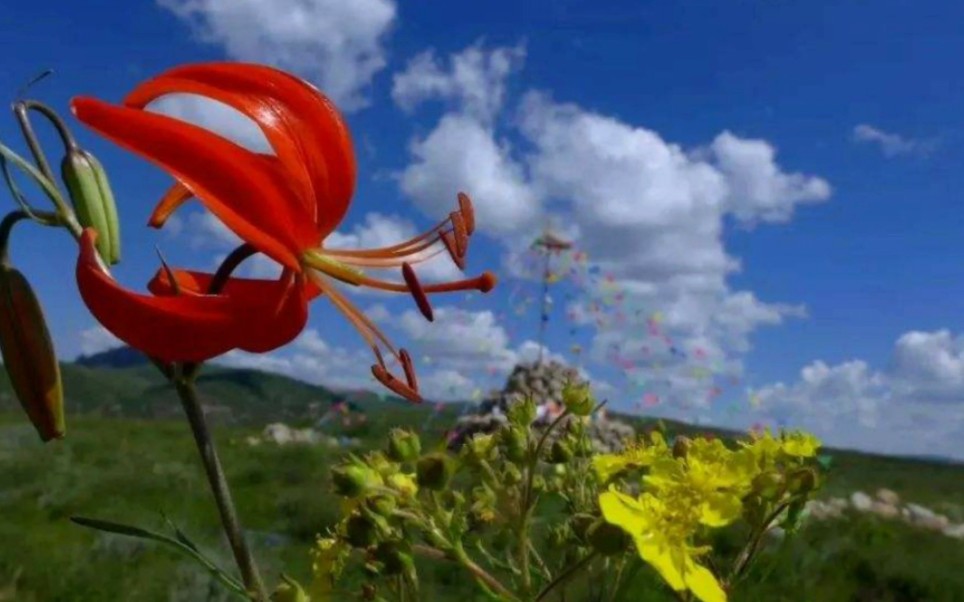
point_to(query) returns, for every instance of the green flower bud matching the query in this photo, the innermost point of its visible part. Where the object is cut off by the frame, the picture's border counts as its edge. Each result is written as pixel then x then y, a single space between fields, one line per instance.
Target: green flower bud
pixel 560 452
pixel 480 448
pixel 580 524
pixel 289 591
pixel 361 531
pixel 513 475
pixel 393 558
pixel 382 505
pixel 802 481
pixel 353 480
pixel 578 399
pixel 681 446
pixel 93 201
pixel 403 446
pixel 769 485
pixel 434 471
pixel 522 413
pixel 515 441
pixel 538 482
pixel 607 539
pixel 754 510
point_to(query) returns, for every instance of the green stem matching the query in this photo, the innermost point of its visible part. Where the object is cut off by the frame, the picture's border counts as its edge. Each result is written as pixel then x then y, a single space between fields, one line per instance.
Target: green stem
pixel 219 487
pixel 526 509
pixel 458 555
pixel 746 555
pixel 565 576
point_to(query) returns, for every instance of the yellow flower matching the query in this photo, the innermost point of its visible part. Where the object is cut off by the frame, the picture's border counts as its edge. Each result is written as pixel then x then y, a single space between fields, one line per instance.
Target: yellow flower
pixel 713 477
pixel 404 484
pixel 639 455
pixel 327 563
pixel 662 533
pixel 800 444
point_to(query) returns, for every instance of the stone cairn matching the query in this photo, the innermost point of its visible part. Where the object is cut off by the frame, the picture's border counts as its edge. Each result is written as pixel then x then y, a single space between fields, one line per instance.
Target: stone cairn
pixel 544 382
pixel 885 504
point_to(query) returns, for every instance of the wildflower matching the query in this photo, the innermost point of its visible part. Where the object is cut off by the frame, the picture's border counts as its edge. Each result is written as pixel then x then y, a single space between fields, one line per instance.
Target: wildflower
pixel 662 532
pixel 434 471
pixel 328 558
pixel 799 444
pixel 404 484
pixel 634 456
pixel 283 205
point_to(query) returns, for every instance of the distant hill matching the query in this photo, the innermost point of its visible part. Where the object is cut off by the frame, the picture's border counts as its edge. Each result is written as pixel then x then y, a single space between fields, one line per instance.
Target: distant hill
pixel 119 357
pixel 122 382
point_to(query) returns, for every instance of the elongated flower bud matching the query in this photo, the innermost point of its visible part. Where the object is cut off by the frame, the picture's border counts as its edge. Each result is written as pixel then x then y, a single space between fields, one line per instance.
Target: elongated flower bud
pixel 93 201
pixel 28 355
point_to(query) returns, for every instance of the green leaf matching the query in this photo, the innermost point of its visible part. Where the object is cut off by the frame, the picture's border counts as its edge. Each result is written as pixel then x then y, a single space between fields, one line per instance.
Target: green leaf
pixel 186 547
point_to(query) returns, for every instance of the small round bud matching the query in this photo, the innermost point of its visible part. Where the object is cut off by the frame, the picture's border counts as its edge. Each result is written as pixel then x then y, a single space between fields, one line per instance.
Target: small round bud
pixel 382 505
pixel 560 452
pixel 515 441
pixel 512 474
pixel 361 531
pixel 580 524
pixel 353 480
pixel 607 539
pixel 769 485
pixel 681 446
pixel 434 471
pixel 578 399
pixel 394 560
pixel 802 481
pixel 403 446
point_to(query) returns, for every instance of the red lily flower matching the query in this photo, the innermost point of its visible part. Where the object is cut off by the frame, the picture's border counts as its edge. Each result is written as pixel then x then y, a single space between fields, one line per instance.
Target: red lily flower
pixel 283 205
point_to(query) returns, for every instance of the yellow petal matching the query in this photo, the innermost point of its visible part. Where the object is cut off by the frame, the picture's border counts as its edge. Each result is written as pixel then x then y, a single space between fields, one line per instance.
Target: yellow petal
pixel 623 511
pixel 703 583
pixel 719 509
pixel 667 560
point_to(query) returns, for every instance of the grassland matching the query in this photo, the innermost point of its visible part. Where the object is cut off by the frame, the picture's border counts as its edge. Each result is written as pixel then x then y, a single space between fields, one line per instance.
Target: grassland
pixel 133 469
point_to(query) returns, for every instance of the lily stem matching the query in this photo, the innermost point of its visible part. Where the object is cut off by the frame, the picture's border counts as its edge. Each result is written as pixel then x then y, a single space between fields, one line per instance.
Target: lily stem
pixel 219 487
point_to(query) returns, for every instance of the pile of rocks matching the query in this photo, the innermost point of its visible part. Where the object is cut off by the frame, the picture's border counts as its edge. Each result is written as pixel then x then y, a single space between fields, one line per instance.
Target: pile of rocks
pixel 544 382
pixel 279 433
pixel 885 504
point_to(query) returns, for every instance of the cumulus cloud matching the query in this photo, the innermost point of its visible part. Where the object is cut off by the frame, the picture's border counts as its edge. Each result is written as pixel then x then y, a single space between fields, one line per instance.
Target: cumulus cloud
pixel 915 405
pixel 462 154
pixel 891 144
pixel 650 212
pixel 475 79
pixel 338 44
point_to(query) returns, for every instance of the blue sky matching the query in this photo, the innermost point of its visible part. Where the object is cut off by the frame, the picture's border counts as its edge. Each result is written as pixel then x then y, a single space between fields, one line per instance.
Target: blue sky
pixel 776 182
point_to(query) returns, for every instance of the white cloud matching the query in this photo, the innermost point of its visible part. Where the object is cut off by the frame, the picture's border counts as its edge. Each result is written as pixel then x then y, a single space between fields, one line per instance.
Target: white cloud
pixel 650 213
pixel 757 188
pixel 461 154
pixel 337 44
pixel 891 144
pixel 914 406
pixel 475 79
pixel 97 339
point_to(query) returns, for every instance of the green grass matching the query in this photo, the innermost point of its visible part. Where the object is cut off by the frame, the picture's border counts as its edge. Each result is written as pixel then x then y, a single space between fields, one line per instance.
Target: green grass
pixel 130 470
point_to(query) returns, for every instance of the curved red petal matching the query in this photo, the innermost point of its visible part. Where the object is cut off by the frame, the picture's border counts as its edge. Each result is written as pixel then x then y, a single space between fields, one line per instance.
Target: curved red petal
pixel 277 124
pixel 312 121
pixel 190 328
pixel 255 203
pixel 200 282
